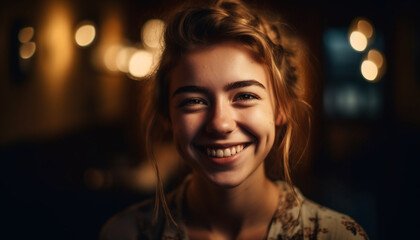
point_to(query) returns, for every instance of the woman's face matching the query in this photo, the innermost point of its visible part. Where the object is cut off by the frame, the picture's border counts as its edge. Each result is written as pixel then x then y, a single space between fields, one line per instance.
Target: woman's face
pixel 221 113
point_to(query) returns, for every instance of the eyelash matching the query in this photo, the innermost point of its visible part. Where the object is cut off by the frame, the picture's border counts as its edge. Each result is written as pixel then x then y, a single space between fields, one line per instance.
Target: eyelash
pixel 246 97
pixel 242 97
pixel 192 101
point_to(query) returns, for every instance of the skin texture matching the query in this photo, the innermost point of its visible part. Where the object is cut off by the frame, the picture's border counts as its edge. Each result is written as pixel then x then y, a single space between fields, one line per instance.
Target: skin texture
pixel 220 97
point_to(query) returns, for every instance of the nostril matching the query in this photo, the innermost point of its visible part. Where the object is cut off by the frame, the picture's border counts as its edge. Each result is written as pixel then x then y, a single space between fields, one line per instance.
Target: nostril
pixel 221 125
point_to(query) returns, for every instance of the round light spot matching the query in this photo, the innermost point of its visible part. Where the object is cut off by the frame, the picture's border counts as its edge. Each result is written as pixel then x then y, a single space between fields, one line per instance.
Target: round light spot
pixel 376 57
pixel 140 63
pixel 85 35
pixel 365 27
pixel 369 70
pixel 152 33
pixel 358 41
pixel 27 50
pixel 123 58
pixel 110 57
pixel 26 34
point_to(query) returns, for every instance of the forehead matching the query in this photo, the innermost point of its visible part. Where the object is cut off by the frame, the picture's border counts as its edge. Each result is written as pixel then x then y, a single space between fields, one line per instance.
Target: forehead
pixel 218 64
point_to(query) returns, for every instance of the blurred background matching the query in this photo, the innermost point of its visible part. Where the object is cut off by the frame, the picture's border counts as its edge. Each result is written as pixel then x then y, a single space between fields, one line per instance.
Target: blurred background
pixel 71 85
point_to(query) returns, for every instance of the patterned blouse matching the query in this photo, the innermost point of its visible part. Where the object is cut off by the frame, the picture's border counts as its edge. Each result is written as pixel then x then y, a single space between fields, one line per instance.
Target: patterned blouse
pixel 315 222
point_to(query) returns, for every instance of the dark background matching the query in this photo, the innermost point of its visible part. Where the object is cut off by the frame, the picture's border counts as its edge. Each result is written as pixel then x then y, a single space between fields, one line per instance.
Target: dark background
pixel 66 152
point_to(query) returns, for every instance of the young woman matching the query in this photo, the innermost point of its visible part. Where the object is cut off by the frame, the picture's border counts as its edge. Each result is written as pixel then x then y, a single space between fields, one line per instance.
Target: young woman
pixel 227 92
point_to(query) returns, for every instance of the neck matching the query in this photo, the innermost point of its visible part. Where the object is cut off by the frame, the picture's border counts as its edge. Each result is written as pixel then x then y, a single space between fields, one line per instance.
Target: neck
pixel 249 205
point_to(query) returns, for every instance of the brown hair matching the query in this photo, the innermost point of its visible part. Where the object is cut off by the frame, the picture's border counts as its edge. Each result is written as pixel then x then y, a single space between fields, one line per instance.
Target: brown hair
pixel 268 41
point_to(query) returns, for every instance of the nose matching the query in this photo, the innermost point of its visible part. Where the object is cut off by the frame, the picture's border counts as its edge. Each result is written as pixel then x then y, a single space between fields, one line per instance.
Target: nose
pixel 221 120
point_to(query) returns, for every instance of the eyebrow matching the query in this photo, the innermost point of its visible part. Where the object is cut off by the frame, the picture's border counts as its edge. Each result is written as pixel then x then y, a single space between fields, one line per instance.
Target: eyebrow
pixel 228 87
pixel 189 89
pixel 245 83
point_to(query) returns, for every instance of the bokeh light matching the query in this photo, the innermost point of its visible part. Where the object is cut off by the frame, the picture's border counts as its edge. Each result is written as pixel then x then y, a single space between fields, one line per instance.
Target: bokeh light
pixel 27 50
pixel 55 39
pixel 110 57
pixel 152 33
pixel 361 33
pixel 109 39
pixel 369 70
pixel 26 34
pixel 365 27
pixel 376 57
pixel 85 35
pixel 373 66
pixel 140 63
pixel 123 58
pixel 358 41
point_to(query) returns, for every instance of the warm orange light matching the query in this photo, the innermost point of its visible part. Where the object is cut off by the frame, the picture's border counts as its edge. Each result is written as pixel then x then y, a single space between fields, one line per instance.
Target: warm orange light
pixel 144 178
pixel 374 66
pixel 152 33
pixel 109 40
pixel 361 33
pixel 140 63
pixel 85 35
pixel 55 40
pixel 26 34
pixel 123 58
pixel 110 57
pixel 27 50
pixel 156 58
pixel 376 57
pixel 358 41
pixel 369 70
pixel 365 27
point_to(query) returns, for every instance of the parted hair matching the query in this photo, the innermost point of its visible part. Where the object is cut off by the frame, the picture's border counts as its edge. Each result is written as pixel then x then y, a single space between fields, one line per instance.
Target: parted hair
pixel 268 41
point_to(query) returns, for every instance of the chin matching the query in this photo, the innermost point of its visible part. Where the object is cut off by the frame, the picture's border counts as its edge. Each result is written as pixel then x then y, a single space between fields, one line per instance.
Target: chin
pixel 226 180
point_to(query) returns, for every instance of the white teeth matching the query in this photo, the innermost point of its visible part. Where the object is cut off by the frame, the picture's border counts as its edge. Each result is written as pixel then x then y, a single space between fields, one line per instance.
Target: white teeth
pixel 227 152
pixel 219 153
pixel 213 153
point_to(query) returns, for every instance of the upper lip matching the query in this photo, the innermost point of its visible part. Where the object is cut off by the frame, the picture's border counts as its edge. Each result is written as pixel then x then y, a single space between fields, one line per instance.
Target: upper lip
pixel 222 145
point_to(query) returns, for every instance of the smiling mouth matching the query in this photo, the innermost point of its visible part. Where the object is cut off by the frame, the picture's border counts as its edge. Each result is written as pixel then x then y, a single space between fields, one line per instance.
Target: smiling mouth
pixel 222 152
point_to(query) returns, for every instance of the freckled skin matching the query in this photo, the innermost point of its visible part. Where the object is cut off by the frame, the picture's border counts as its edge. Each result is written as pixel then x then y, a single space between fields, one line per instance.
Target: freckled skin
pixel 221 116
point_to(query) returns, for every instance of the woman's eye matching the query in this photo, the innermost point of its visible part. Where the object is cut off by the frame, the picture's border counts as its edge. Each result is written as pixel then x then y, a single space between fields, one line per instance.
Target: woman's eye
pixel 245 97
pixel 195 101
pixel 192 102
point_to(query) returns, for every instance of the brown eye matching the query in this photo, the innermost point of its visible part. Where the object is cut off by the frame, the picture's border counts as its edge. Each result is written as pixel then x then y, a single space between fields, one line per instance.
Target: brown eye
pixel 245 97
pixel 195 101
pixel 192 102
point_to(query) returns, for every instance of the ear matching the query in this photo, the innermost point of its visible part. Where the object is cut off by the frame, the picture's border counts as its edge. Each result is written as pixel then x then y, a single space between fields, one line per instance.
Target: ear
pixel 280 118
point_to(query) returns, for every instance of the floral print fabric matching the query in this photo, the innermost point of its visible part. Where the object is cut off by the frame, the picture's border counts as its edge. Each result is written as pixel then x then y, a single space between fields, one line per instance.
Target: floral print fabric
pixel 313 222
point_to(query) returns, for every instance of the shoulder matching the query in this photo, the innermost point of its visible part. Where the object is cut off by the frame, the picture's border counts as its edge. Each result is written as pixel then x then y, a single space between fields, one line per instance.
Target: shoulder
pixel 138 221
pixel 127 224
pixel 325 223
pixel 310 220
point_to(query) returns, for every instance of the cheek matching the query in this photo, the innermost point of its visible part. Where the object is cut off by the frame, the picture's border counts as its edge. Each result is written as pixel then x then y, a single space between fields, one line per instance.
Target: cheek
pixel 185 127
pixel 260 120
